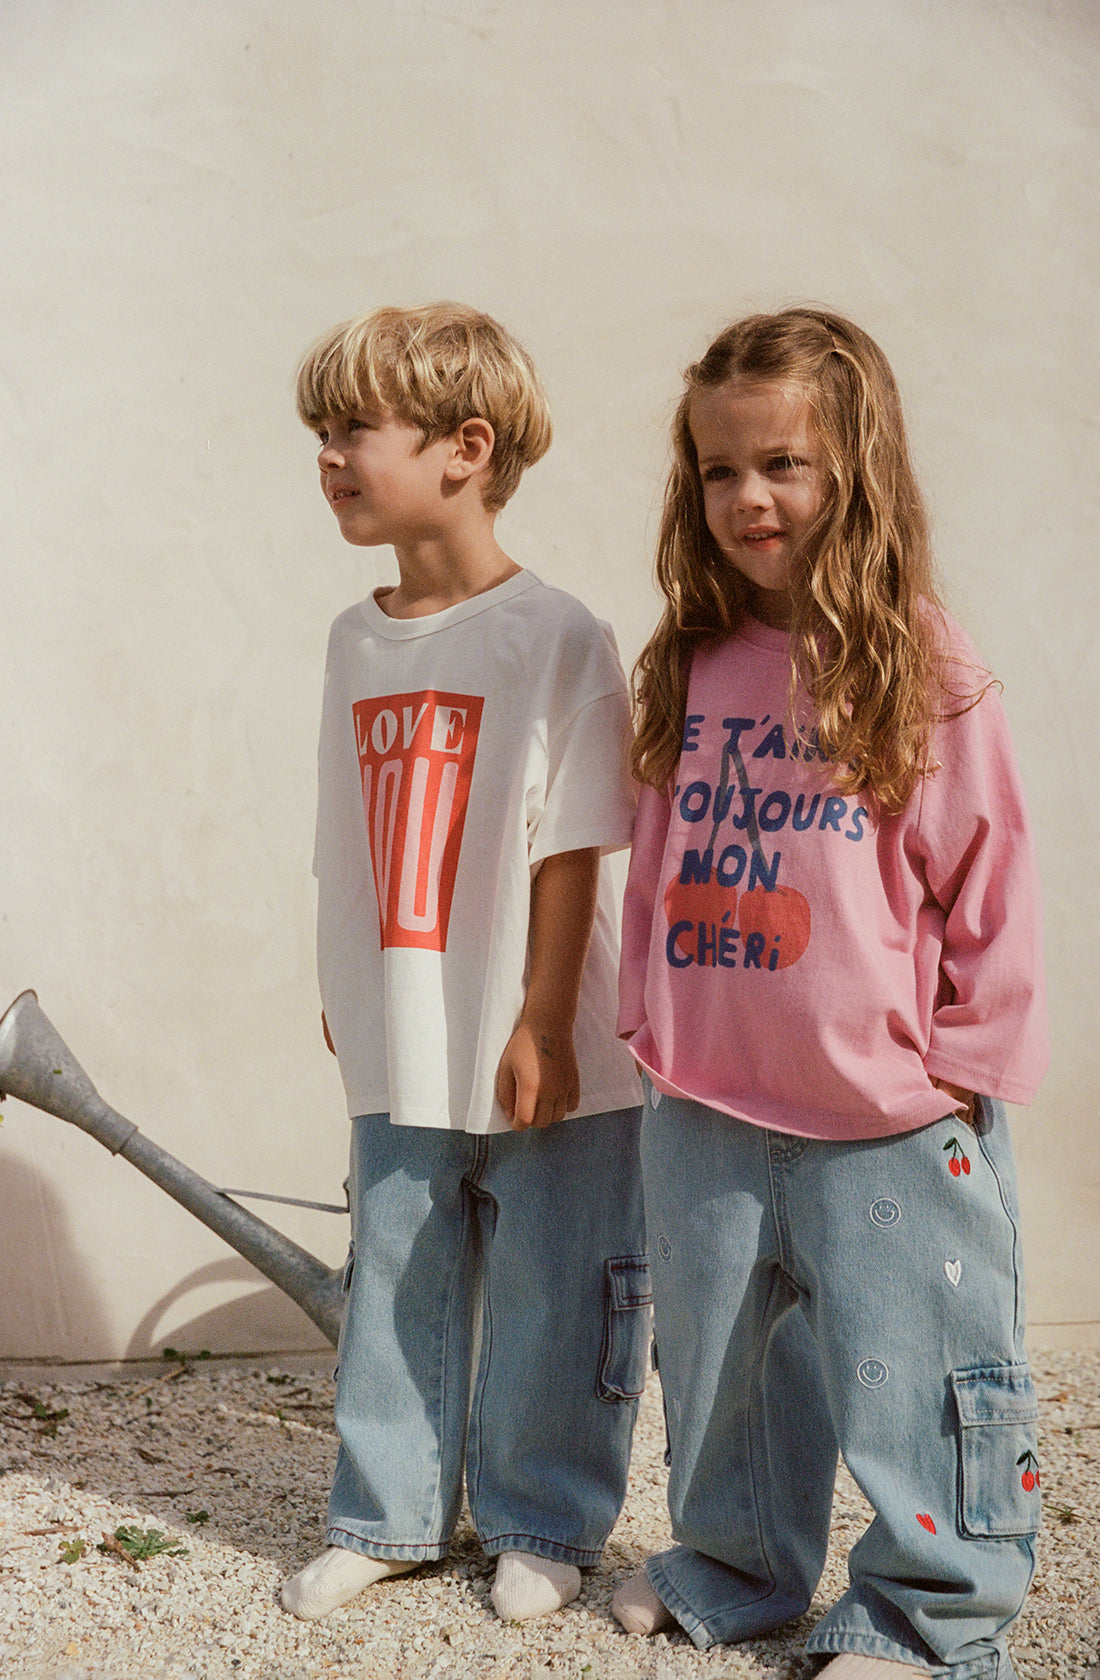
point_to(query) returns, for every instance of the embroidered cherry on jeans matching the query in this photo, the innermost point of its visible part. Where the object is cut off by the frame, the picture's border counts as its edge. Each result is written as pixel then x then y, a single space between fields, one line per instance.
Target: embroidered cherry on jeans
pixel 960 1161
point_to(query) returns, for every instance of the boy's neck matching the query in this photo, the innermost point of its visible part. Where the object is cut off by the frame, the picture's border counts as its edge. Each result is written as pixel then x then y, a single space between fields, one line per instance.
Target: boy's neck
pixel 435 576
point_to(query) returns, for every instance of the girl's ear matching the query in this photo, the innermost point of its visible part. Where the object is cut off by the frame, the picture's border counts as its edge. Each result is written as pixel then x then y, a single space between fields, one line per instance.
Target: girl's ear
pixel 472 446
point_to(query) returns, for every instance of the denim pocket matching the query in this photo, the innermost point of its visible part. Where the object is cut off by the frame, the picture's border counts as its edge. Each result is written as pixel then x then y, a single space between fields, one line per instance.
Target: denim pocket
pixel 628 1298
pixel 998 1465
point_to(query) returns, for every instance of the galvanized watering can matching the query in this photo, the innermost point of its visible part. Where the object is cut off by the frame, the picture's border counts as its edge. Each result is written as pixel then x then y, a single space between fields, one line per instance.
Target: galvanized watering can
pixel 37 1066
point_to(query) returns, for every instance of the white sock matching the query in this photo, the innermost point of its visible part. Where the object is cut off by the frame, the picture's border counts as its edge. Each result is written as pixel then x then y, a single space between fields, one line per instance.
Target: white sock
pixel 526 1586
pixel 851 1666
pixel 335 1578
pixel 637 1608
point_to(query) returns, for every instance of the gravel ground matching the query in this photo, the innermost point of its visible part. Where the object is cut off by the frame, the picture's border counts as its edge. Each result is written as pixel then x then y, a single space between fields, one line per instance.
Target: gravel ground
pixel 232 1466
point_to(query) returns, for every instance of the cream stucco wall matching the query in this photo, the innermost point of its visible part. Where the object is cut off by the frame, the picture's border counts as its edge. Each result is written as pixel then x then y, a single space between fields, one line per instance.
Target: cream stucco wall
pixel 191 192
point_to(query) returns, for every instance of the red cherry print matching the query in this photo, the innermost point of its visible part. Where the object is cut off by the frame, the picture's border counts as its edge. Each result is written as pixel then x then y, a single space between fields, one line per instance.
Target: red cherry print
pixel 781 918
pixel 1030 1478
pixel 926 1521
pixel 959 1162
pixel 694 902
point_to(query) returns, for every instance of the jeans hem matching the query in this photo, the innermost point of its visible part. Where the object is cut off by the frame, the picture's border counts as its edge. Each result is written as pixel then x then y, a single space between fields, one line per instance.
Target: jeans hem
pixel 686 1619
pixel 557 1550
pixel 989 1666
pixel 389 1552
pixel 728 1623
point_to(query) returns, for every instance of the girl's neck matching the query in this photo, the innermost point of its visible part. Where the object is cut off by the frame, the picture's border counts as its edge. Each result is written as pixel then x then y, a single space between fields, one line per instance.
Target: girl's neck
pixel 771 607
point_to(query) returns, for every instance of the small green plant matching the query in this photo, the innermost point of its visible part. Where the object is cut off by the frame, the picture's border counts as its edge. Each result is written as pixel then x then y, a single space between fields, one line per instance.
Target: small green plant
pixel 138 1545
pixel 198 1517
pixel 184 1359
pixel 71 1551
pixel 46 1418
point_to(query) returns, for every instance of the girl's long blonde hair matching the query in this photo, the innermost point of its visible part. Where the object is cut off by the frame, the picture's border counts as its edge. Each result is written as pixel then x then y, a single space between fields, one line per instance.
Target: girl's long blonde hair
pixel 867 640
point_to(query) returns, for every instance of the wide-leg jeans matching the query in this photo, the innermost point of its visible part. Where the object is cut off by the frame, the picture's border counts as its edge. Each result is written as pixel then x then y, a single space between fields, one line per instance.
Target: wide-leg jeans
pixel 531 1245
pixel 867 1296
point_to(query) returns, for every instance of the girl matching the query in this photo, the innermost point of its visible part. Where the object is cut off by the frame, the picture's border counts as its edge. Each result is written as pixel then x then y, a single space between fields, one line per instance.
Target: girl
pixel 831 977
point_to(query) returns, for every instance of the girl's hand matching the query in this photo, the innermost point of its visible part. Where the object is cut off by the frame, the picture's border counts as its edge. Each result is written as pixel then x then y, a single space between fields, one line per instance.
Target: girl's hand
pixel 965 1099
pixel 538 1082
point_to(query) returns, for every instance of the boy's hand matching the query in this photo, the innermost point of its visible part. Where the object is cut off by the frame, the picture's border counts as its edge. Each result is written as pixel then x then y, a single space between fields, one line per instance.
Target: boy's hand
pixel 537 1080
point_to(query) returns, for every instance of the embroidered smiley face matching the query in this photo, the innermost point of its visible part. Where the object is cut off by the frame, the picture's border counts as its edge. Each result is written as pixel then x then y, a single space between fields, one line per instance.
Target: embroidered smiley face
pixel 884 1212
pixel 872 1373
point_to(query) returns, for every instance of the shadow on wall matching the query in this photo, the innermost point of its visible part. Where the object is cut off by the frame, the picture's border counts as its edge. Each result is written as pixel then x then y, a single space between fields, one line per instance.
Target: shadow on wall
pixel 48 1310
pixel 266 1319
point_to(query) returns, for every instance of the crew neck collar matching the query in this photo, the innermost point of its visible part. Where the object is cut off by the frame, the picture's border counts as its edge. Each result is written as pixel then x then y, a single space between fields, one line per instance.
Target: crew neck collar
pixel 407 629
pixel 765 636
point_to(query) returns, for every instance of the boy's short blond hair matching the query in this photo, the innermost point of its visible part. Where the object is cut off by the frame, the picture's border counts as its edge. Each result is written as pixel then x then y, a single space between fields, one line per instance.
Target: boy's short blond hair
pixel 433 367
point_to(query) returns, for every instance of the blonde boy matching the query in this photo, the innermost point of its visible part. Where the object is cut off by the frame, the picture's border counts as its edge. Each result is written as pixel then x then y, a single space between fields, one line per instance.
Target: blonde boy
pixel 471 780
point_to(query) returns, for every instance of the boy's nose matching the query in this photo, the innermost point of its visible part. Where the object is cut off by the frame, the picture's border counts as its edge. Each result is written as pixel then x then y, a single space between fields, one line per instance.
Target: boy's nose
pixel 329 456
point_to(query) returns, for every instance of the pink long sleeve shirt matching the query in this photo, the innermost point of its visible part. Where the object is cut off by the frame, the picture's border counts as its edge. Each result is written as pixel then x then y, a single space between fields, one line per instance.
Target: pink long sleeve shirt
pixel 790 961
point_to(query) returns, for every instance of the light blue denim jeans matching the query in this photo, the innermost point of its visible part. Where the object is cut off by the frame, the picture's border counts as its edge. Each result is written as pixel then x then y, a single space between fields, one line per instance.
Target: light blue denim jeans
pixel 866 1296
pixel 537 1240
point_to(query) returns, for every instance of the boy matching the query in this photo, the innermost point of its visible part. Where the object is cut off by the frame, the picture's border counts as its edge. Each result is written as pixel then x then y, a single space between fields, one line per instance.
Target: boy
pixel 472 773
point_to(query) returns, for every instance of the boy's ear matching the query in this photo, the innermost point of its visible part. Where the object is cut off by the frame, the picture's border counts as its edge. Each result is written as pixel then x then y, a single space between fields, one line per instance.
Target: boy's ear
pixel 473 445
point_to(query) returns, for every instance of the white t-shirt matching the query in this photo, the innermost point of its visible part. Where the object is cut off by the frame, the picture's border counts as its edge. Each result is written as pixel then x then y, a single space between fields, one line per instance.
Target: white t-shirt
pixel 457 751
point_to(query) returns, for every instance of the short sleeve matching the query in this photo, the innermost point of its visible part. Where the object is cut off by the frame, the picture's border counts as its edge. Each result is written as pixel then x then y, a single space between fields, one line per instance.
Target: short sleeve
pixel 589 793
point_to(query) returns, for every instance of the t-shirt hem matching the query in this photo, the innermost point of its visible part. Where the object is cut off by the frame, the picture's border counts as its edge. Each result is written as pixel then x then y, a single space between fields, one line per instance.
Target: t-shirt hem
pixel 822 1124
pixel 580 840
pixel 985 1084
pixel 611 1100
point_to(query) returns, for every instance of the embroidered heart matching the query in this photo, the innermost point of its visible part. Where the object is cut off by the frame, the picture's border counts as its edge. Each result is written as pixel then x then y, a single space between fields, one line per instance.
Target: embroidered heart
pixel 953 1268
pixel 926 1521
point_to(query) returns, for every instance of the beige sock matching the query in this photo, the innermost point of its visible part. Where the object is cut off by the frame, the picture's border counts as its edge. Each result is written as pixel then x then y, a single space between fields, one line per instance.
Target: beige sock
pixel 637 1608
pixel 527 1586
pixel 335 1578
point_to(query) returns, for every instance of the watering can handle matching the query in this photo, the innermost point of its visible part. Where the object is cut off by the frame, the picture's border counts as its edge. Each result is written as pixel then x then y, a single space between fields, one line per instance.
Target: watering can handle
pixel 288 1201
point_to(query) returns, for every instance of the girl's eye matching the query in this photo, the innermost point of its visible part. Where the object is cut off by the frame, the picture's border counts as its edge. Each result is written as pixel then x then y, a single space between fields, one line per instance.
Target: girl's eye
pixel 714 474
pixel 786 463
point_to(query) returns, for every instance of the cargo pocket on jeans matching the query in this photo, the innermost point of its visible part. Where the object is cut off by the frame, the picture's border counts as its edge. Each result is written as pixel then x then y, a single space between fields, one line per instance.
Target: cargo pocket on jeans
pixel 997 1410
pixel 628 1300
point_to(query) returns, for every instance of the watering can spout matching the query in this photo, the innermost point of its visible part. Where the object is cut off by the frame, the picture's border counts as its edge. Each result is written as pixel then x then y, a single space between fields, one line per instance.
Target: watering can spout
pixel 37 1066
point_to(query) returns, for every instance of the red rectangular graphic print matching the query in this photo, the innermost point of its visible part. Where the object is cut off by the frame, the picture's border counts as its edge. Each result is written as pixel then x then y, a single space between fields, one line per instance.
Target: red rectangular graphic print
pixel 416 760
